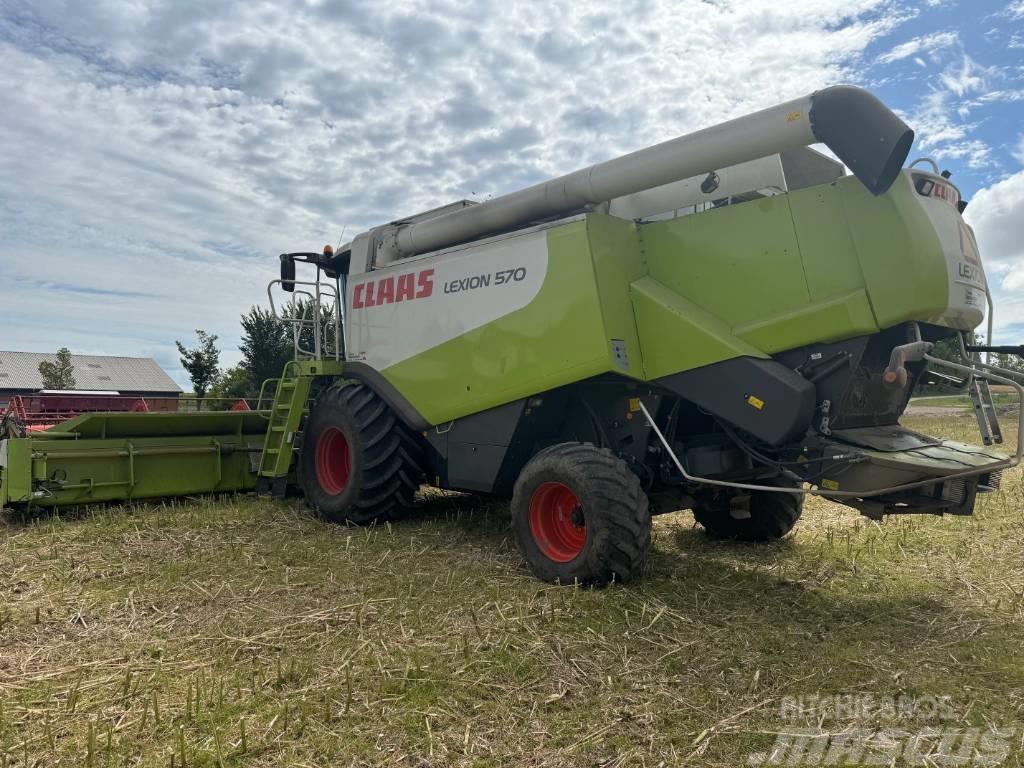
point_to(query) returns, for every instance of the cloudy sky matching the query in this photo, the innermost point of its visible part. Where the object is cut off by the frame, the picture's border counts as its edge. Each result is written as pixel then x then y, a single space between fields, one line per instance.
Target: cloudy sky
pixel 155 155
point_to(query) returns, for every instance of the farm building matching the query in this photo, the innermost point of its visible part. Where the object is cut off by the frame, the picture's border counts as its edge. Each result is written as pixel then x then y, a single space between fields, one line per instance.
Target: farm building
pixel 96 374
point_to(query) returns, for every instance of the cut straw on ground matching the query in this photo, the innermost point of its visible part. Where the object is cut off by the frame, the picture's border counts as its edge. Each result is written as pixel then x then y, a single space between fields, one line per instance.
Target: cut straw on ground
pixel 242 631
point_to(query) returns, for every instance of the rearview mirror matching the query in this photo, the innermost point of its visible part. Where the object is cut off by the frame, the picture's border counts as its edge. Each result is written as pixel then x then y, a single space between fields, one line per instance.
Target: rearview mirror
pixel 287 272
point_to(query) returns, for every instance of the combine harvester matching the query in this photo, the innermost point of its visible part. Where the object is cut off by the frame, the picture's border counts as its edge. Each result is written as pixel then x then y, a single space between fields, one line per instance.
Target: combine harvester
pixel 724 322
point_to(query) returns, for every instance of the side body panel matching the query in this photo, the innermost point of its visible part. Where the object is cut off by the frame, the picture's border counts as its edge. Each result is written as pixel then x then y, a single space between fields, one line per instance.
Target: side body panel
pixel 744 265
pixel 576 326
pixel 900 255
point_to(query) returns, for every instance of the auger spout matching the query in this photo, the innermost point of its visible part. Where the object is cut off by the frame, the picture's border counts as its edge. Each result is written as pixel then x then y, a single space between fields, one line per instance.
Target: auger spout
pixel 862 132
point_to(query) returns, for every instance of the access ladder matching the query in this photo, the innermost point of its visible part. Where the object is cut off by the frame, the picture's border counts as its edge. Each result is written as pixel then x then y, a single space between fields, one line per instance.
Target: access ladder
pixel 286 414
pixel 985 411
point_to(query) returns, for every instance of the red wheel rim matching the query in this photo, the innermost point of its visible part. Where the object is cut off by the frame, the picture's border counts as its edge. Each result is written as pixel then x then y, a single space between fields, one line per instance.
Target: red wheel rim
pixel 557 523
pixel 333 461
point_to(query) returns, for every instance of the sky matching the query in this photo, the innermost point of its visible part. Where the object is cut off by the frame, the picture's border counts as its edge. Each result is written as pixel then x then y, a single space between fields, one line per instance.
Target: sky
pixel 156 155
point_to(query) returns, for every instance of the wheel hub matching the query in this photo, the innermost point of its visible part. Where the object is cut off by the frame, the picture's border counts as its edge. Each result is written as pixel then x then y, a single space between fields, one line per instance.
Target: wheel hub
pixel 557 522
pixel 333 461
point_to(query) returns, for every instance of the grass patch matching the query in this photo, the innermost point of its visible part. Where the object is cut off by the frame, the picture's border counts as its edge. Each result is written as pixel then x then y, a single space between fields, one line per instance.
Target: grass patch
pixel 241 631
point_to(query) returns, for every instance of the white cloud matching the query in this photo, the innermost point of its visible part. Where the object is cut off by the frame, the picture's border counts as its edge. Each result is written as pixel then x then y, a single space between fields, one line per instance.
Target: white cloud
pixel 924 43
pixel 942 115
pixel 997 215
pixel 156 154
pixel 967 78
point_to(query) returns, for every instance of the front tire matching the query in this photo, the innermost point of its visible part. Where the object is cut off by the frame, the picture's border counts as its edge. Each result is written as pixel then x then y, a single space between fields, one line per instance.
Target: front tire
pixel 359 463
pixel 580 516
pixel 771 515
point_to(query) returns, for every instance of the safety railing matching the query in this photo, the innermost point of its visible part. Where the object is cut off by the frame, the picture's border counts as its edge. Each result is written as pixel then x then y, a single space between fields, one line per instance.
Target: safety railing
pixel 314 315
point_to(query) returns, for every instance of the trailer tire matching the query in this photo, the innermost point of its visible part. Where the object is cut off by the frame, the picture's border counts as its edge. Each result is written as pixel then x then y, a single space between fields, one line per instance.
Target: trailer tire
pixel 580 516
pixel 359 463
pixel 772 515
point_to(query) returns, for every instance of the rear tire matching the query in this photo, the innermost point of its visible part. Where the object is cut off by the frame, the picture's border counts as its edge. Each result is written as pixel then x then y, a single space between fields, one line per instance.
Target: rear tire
pixel 772 515
pixel 580 516
pixel 359 463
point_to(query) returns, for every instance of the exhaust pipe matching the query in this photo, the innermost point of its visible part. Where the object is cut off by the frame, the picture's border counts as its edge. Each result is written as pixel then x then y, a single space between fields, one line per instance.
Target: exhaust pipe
pixel 862 132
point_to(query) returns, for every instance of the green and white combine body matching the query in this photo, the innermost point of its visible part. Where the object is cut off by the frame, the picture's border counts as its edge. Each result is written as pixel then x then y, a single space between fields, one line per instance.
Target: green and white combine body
pixel 482 324
pixel 724 322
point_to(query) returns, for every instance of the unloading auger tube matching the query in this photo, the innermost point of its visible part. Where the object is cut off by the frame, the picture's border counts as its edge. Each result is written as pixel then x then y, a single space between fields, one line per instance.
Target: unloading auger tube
pixel 1006 377
pixel 862 132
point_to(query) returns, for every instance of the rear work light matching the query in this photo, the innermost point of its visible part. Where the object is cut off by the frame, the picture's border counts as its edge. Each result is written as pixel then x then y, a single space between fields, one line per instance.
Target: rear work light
pixel 929 187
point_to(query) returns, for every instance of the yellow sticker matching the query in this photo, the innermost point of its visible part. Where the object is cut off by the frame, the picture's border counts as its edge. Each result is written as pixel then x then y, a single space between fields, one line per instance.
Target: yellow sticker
pixel 757 402
pixel 830 485
pixel 634 404
pixel 794 116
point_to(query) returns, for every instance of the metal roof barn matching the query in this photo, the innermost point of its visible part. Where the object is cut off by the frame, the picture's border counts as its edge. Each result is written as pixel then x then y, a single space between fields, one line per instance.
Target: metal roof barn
pixel 19 372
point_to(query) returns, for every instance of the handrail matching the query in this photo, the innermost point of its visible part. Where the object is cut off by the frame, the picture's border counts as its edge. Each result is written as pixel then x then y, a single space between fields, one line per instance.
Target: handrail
pixel 263 388
pixel 324 344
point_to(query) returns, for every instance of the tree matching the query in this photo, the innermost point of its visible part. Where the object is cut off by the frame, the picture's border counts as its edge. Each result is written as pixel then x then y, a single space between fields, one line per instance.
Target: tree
pixel 302 308
pixel 232 384
pixel 1013 363
pixel 945 349
pixel 60 374
pixel 266 346
pixel 201 363
pixel 949 348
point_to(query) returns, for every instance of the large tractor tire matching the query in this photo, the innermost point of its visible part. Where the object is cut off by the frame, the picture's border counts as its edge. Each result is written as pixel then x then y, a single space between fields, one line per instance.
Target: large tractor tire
pixel 769 517
pixel 359 463
pixel 580 516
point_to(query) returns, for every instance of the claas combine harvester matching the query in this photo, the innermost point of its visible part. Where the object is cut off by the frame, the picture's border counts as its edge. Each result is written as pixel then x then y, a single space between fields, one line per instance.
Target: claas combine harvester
pixel 724 323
